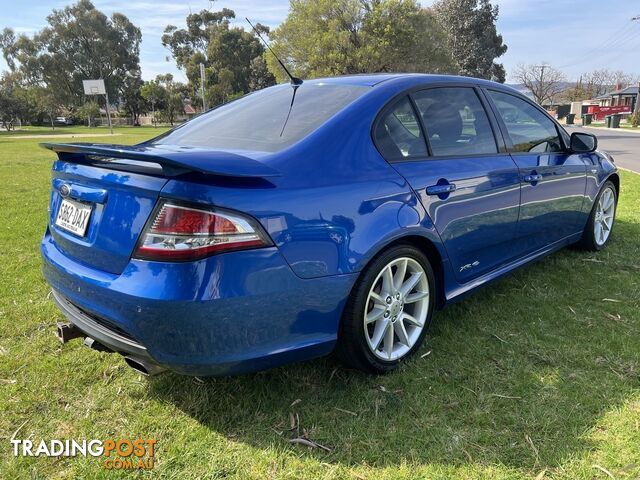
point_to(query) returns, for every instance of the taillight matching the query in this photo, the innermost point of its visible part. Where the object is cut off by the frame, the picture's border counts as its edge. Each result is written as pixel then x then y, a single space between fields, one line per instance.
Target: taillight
pixel 180 232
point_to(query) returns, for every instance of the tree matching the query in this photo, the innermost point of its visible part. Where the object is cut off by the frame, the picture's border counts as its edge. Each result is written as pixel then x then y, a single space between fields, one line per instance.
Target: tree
pixel 259 74
pixel 79 43
pixel 89 110
pixel 232 50
pixel 209 39
pixel 189 46
pixel 333 37
pixel 172 99
pixel 599 82
pixel 45 102
pixel 624 79
pixel 472 36
pixel 220 92
pixel 574 94
pixel 14 100
pixel 131 97
pixel 543 81
pixel 153 93
pixel 8 45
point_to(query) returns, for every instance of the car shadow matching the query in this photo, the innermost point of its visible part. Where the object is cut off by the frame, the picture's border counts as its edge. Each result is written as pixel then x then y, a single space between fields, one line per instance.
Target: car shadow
pixel 514 375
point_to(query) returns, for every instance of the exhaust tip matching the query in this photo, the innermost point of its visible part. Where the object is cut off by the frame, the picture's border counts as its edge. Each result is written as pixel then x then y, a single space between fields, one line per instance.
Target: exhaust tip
pixel 148 369
pixel 95 345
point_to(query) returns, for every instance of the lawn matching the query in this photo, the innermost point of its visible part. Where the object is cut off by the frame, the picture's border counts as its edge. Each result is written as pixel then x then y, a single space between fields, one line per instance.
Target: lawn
pixel 536 376
pixel 139 132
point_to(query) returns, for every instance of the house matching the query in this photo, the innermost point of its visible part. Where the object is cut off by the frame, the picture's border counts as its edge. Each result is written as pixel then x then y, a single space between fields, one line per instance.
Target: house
pixel 622 97
pixel 189 111
pixel 621 100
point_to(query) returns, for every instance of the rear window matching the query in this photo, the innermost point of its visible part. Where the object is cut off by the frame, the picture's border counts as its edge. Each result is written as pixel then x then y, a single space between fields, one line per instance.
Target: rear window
pixel 259 121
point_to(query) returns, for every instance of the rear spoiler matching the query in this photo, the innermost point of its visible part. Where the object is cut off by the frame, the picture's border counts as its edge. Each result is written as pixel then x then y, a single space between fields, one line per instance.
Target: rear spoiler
pixel 173 160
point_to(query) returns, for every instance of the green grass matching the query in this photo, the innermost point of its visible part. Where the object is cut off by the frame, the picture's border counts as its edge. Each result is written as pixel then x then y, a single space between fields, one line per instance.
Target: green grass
pixel 140 132
pixel 535 374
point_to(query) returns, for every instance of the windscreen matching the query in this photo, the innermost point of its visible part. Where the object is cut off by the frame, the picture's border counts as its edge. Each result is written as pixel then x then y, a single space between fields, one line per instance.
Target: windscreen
pixel 268 120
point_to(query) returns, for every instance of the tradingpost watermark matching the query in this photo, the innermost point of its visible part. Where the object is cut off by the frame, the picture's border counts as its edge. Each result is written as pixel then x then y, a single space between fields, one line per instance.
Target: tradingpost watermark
pixel 115 454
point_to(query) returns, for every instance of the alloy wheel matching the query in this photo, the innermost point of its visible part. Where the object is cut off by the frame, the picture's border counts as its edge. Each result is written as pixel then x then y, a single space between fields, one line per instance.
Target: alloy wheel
pixel 603 221
pixel 396 309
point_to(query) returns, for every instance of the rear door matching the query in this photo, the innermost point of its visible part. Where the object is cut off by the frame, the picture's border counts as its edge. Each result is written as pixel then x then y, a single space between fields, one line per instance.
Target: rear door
pixel 553 179
pixel 442 141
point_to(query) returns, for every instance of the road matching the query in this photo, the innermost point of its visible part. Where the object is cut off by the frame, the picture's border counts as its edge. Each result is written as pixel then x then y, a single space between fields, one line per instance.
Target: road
pixel 623 145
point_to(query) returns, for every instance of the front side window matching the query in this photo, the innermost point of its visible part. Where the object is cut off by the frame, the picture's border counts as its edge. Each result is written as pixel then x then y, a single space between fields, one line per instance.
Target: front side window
pixel 455 121
pixel 530 130
pixel 398 134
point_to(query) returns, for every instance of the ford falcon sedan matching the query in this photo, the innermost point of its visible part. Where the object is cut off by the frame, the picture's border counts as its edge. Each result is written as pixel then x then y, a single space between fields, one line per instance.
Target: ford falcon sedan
pixel 334 214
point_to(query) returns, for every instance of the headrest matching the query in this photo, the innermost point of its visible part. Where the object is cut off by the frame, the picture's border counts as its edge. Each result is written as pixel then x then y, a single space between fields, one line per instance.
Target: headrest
pixel 443 120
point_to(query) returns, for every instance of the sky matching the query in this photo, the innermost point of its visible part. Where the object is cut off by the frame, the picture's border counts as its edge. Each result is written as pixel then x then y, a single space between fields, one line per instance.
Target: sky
pixel 575 36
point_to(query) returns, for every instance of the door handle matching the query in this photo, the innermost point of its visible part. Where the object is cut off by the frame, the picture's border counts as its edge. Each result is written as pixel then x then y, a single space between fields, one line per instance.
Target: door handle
pixel 441 189
pixel 532 178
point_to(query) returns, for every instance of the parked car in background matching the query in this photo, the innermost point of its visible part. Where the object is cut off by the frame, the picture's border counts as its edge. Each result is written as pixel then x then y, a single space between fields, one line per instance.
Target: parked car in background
pixel 62 121
pixel 338 214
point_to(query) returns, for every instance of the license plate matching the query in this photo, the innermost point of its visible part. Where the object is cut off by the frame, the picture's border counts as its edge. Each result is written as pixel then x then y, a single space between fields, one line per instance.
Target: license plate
pixel 73 216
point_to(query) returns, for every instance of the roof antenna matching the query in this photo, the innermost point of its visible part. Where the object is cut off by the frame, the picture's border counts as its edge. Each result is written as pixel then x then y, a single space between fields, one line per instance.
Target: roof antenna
pixel 295 81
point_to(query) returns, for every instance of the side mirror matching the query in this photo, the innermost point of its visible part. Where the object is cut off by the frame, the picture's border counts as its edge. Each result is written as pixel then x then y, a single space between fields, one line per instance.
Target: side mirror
pixel 583 142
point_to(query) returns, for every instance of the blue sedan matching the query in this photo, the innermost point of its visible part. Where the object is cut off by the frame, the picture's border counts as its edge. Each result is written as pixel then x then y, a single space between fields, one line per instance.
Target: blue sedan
pixel 333 215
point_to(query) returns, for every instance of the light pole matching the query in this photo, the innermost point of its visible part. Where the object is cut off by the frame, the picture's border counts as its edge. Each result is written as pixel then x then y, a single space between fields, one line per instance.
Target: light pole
pixel 202 88
pixel 106 97
pixel 636 110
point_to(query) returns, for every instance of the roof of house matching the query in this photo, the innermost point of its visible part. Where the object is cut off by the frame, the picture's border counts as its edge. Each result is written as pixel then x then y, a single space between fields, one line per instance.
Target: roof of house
pixel 625 91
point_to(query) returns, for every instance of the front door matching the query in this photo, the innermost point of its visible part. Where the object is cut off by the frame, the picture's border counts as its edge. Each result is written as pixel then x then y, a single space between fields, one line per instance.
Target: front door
pixel 470 190
pixel 553 179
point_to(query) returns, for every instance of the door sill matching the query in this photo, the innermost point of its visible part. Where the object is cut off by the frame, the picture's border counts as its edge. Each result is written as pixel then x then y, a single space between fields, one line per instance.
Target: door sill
pixel 462 290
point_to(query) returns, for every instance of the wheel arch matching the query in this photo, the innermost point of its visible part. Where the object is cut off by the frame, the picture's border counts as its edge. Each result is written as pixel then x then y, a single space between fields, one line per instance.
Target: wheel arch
pixel 615 179
pixel 433 255
pixel 426 246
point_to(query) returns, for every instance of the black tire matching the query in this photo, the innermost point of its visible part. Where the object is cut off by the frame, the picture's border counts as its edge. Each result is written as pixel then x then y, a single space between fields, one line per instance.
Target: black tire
pixel 588 241
pixel 352 347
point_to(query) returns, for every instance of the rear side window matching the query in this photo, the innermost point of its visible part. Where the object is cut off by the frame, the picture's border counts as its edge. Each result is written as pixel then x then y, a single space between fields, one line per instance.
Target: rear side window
pixel 267 120
pixel 530 130
pixel 398 134
pixel 455 121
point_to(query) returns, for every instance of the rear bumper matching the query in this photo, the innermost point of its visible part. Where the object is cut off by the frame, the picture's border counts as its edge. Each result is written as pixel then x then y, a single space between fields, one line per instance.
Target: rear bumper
pixel 227 314
pixel 89 325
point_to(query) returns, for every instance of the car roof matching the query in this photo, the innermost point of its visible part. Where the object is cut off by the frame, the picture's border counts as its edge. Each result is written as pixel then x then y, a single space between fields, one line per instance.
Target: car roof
pixel 373 79
pixel 363 79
